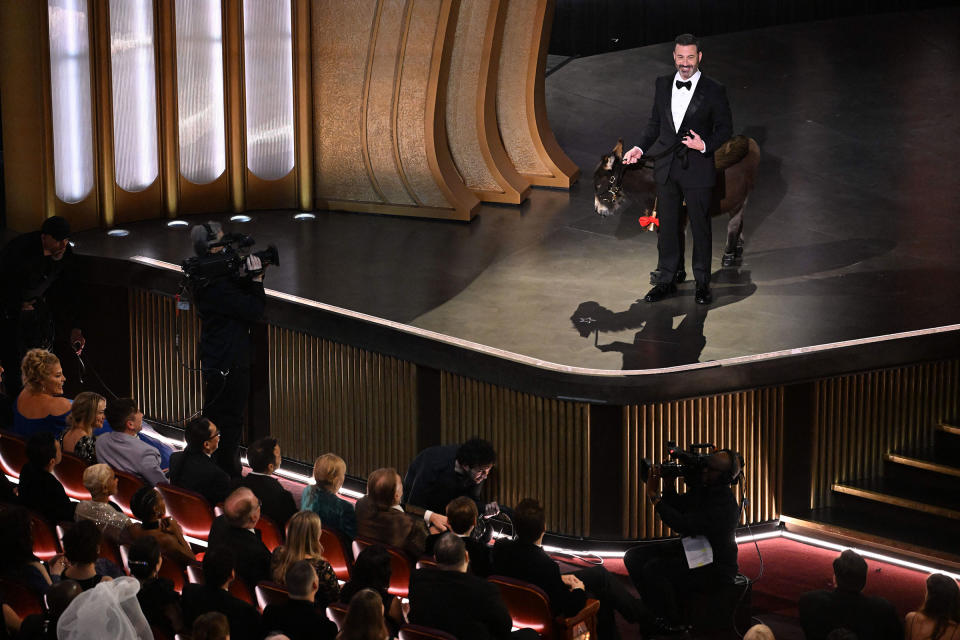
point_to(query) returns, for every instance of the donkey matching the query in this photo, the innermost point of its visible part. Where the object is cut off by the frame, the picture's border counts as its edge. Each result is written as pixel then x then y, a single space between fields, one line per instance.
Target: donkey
pixel 736 161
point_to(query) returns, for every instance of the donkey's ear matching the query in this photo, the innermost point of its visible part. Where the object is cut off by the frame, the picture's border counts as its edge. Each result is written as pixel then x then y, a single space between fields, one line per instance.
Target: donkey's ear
pixel 618 150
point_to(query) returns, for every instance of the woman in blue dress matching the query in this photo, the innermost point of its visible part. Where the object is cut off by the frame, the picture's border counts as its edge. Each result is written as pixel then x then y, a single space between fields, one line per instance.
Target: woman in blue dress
pixel 336 513
pixel 41 405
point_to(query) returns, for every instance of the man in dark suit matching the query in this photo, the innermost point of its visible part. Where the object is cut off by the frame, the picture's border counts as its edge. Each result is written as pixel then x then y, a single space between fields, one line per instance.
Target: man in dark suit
pixel 380 516
pixel 462 518
pixel 525 559
pixel 218 572
pixel 692 110
pixel 277 503
pixel 298 618
pixel 39 489
pixel 449 598
pixel 236 529
pixel 194 468
pixel 846 607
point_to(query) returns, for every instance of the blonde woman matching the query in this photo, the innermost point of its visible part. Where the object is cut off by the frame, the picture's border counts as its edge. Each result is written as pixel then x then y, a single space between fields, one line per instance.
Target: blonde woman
pixel 329 471
pixel 303 543
pixel 101 481
pixel 41 406
pixel 86 416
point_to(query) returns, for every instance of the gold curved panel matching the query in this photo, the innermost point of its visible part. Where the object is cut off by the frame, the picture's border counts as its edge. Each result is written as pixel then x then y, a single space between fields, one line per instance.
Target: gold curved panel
pixel 471 116
pixel 379 82
pixel 521 107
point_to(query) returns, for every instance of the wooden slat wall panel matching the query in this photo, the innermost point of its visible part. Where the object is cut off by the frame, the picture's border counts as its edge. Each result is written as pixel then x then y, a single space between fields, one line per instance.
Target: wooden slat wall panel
pixel 165 389
pixel 859 418
pixel 329 397
pixel 750 422
pixel 543 446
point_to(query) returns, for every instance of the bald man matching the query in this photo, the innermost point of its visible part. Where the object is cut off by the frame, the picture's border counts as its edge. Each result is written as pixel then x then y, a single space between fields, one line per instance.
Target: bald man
pixel 236 529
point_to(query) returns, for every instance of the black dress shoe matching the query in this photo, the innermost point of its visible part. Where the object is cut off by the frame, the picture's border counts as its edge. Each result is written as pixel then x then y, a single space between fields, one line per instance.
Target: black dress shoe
pixel 703 294
pixel 679 276
pixel 660 291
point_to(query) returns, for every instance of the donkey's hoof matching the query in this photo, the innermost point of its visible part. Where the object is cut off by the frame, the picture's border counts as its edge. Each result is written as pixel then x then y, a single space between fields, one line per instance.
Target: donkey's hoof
pixel 728 259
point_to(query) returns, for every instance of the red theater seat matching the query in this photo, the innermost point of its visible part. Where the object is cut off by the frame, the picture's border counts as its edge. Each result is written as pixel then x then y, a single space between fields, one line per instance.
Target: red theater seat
pixel 529 607
pixel 46 544
pixel 417 632
pixel 70 474
pixel 127 485
pixel 335 552
pixel 270 593
pixel 338 613
pixel 13 453
pixel 270 533
pixel 189 508
pixel 400 565
pixel 20 598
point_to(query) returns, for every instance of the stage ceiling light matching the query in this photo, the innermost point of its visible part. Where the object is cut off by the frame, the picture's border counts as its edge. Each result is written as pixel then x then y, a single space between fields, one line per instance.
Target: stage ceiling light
pixel 178 223
pixel 118 233
pixel 304 216
pixel 240 218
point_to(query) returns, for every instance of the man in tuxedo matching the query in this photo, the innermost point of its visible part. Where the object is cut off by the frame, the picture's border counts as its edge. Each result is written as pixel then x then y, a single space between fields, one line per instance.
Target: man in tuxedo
pixel 194 467
pixel 39 488
pixel 380 516
pixel 448 598
pixel 213 595
pixel 236 529
pixel 276 502
pixel 298 618
pixel 692 110
pixel 462 518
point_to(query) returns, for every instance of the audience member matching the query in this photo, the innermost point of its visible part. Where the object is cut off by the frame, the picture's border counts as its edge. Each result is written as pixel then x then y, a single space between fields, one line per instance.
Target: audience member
pixel 39 489
pixel 329 471
pixel 525 559
pixel 149 508
pixel 372 570
pixel 867 616
pixel 236 529
pixel 41 407
pixel 17 562
pixel 81 546
pixel 299 618
pixel 213 595
pixel 194 468
pixel 462 517
pixel 159 601
pixel 939 617
pixel 263 455
pixel 43 626
pixel 101 481
pixel 380 516
pixel 303 543
pixel 122 449
pixel 448 598
pixel 759 632
pixel 211 626
pixel 439 474
pixel 86 416
pixel 364 619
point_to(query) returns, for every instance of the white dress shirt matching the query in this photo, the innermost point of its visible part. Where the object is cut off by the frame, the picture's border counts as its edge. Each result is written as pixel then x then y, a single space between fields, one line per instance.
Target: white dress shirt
pixel 680 98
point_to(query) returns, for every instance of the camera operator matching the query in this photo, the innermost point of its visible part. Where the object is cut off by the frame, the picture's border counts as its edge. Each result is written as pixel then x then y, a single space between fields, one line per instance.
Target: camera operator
pixel 705 516
pixel 228 307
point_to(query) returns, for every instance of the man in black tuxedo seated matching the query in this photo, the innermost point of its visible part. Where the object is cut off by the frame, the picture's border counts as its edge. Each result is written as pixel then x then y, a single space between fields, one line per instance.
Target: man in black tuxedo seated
pixel 846 607
pixel 213 595
pixel 525 559
pixel 439 474
pixel 462 518
pixel 449 598
pixel 298 618
pixel 277 503
pixel 194 468
pixel 706 519
pixel 236 529
pixel 39 489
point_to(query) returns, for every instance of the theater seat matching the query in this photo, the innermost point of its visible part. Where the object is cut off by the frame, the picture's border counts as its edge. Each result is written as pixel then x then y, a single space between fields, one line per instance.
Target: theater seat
pixel 338 613
pixel 238 589
pixel 400 565
pixel 46 544
pixel 195 573
pixel 270 593
pixel 109 550
pixel 417 632
pixel 21 599
pixel 70 474
pixel 270 533
pixel 529 607
pixel 127 485
pixel 189 508
pixel 13 453
pixel 335 552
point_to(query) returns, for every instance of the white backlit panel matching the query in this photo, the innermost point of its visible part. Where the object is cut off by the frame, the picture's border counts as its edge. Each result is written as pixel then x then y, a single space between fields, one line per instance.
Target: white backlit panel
pixel 134 93
pixel 268 74
pixel 70 99
pixel 200 90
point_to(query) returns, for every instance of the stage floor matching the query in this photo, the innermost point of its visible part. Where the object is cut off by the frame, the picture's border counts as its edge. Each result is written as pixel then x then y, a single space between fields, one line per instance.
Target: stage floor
pixel 851 232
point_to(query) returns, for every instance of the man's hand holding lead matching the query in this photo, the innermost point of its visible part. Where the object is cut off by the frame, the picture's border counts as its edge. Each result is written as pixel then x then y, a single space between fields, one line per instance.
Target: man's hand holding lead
pixel 694 141
pixel 630 157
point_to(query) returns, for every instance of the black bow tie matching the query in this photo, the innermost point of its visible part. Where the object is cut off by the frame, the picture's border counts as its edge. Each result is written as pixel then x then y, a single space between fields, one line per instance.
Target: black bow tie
pixel 687 85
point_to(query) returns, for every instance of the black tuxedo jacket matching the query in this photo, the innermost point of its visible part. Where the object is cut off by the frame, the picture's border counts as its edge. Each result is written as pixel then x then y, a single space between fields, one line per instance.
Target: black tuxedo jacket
pixel 431 481
pixel 869 617
pixel 480 554
pixel 41 491
pixel 198 472
pixel 253 557
pixel 276 502
pixel 461 604
pixel 198 599
pixel 298 620
pixel 708 114
pixel 530 563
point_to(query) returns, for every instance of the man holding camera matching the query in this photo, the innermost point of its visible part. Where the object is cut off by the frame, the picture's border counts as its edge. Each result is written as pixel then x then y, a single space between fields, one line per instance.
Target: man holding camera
pixel 228 306
pixel 691 110
pixel 705 517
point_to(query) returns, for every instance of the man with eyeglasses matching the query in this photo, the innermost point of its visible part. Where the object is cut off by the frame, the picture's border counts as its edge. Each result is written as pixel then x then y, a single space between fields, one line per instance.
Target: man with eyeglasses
pixel 194 468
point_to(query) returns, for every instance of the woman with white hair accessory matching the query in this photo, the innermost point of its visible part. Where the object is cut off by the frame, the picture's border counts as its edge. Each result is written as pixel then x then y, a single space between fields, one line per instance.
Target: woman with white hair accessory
pixel 109 610
pixel 101 481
